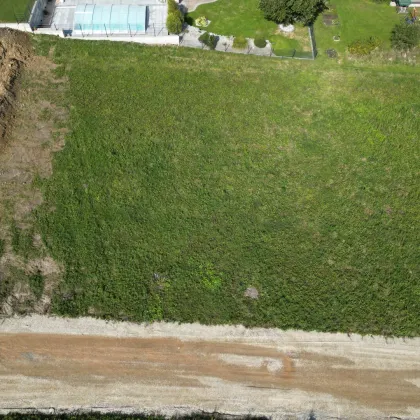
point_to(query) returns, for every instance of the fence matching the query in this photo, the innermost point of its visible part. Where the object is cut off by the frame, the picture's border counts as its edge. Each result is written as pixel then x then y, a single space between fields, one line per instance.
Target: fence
pixel 313 42
pixel 62 33
pixel 107 31
pixel 302 55
pixel 23 15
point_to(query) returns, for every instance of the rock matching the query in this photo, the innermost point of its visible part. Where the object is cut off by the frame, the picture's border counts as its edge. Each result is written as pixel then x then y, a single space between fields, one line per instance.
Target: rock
pixel 251 292
pixel 286 28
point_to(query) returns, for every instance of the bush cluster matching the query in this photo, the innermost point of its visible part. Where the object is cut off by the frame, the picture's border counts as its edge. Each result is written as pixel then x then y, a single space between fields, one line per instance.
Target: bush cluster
pixel 175 18
pixel 405 35
pixel 363 46
pixel 208 39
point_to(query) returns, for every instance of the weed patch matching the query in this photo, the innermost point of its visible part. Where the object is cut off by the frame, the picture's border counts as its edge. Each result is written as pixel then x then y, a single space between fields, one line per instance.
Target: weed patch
pixel 36 283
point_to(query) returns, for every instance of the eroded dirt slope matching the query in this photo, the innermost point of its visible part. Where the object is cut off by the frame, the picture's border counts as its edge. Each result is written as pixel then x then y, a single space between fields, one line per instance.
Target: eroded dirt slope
pixel 32 127
pixel 15 51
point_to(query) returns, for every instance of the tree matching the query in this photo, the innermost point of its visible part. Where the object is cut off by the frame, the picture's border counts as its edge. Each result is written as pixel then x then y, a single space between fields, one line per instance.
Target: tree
pixel 405 36
pixel 175 18
pixel 174 22
pixel 291 11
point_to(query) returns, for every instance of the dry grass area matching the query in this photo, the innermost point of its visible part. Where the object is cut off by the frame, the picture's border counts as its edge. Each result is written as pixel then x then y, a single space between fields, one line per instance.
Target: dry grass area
pixel 29 133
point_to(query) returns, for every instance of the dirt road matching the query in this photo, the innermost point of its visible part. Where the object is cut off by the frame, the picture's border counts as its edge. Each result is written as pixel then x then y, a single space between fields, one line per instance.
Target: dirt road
pixel 60 363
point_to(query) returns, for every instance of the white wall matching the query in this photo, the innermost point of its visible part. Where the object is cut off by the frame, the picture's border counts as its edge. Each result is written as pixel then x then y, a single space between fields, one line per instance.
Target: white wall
pixel 25 27
pixel 142 39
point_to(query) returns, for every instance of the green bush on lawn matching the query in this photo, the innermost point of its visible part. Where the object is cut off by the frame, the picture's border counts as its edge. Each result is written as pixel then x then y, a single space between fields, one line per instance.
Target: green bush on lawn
pixel 260 42
pixel 240 42
pixel 405 35
pixel 209 40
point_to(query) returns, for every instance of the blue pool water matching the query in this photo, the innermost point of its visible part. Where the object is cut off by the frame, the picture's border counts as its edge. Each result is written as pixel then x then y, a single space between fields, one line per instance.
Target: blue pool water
pixel 110 18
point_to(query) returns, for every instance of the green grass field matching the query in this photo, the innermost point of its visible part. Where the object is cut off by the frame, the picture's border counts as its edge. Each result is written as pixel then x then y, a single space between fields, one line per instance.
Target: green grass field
pixel 8 9
pixel 239 18
pixel 189 176
pixel 359 19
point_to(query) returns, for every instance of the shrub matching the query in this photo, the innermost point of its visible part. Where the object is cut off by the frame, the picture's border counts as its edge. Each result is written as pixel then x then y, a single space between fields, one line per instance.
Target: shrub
pixel 405 36
pixel 288 12
pixel 202 21
pixel 174 23
pixel 240 42
pixel 363 46
pixel 260 42
pixel 208 39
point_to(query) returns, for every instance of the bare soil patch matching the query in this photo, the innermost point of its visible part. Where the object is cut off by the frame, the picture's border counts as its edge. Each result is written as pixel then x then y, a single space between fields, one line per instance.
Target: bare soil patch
pixel 15 50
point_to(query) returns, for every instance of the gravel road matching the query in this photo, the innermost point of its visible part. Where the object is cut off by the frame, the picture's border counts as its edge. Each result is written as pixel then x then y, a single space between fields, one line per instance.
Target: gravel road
pixel 87 363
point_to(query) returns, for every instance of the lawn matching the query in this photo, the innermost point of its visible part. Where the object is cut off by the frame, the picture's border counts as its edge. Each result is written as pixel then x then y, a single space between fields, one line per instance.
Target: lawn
pixel 243 18
pixel 8 8
pixel 359 19
pixel 189 176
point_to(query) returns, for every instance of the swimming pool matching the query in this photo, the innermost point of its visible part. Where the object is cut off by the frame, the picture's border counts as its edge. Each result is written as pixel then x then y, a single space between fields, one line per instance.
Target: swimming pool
pixel 112 19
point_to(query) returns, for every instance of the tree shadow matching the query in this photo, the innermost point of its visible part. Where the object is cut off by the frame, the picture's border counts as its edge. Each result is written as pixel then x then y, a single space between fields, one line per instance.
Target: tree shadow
pixel 189 20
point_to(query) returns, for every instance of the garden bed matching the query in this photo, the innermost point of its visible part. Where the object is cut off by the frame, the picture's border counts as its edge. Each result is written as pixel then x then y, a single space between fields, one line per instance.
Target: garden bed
pixel 239 18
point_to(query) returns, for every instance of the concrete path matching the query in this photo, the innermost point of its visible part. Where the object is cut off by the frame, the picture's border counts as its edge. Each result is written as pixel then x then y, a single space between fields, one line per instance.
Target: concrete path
pixel 225 43
pixel 191 5
pixel 88 363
